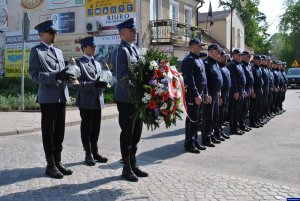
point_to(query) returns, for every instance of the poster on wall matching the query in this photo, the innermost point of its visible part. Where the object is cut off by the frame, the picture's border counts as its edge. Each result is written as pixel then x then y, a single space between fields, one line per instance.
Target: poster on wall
pixel 55 4
pixel 13 62
pixel 3 15
pixel 111 12
pixel 64 22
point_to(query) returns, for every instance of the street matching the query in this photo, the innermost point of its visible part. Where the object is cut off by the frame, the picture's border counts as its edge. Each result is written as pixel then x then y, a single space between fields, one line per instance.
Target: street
pixel 262 164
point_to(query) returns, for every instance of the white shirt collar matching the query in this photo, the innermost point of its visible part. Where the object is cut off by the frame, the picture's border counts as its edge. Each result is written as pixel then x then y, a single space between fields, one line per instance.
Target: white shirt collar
pixel 88 57
pixel 47 44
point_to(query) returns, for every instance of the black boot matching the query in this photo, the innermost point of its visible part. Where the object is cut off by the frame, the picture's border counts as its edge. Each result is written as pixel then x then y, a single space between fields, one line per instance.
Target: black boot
pixel 51 169
pixel 60 166
pixel 127 171
pixel 89 160
pixel 96 155
pixel 136 170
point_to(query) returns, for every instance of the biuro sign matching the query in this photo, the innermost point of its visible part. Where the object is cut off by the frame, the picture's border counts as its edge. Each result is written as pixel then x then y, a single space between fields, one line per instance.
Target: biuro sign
pixel 13 62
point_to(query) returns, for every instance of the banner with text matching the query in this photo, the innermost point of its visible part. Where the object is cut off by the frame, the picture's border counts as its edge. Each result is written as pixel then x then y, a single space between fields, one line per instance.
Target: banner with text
pixel 13 62
pixel 64 22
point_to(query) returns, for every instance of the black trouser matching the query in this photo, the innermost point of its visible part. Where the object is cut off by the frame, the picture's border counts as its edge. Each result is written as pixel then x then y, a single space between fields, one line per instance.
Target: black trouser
pixel 265 100
pixel 275 97
pixel 270 101
pixel 223 112
pixel 191 122
pixel 131 128
pixel 255 106
pixel 244 110
pixel 53 127
pixel 90 126
pixel 210 117
pixel 234 113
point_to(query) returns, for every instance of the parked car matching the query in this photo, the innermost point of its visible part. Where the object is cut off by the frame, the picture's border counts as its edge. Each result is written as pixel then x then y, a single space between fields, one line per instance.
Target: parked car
pixel 293 77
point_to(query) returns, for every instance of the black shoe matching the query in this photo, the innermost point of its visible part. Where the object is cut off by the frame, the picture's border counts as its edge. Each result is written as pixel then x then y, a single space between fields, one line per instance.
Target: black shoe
pixel 249 129
pixel 63 169
pixel 129 175
pixel 254 125
pixel 244 128
pixel 199 146
pixel 219 137
pixel 138 172
pixel 53 172
pixel 192 149
pixel 89 160
pixel 215 141
pixel 241 131
pixel 224 135
pixel 209 144
pixel 236 132
pixel 99 158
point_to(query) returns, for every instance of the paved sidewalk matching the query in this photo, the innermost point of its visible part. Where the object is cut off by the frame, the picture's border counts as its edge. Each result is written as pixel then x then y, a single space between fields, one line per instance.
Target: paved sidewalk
pixel 27 122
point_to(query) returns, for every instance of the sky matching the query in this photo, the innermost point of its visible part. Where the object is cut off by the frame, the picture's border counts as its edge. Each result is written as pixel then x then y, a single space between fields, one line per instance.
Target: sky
pixel 271 8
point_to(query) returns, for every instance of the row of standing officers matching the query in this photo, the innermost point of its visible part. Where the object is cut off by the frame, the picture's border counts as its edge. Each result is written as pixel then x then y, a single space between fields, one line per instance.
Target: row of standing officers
pixel 220 90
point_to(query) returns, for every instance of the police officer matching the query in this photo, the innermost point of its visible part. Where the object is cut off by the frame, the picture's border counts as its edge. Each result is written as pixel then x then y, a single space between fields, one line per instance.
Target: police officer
pixel 248 88
pixel 265 76
pixel 237 91
pixel 131 126
pixel 89 100
pixel 47 68
pixel 271 88
pixel 284 88
pixel 214 85
pixel 224 99
pixel 195 80
pixel 276 88
pixel 256 98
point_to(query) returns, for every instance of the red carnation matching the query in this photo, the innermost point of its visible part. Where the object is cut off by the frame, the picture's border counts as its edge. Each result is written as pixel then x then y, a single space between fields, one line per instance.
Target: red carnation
pixel 158 73
pixel 165 96
pixel 152 104
pixel 166 69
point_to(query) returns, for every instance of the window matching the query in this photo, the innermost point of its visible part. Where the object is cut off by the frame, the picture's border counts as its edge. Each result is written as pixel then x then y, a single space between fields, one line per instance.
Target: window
pixel 238 38
pixel 155 9
pixel 188 15
pixel 173 10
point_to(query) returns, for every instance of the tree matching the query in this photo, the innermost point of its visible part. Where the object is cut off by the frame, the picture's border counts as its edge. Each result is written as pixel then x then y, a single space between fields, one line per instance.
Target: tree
pixel 290 24
pixel 256 26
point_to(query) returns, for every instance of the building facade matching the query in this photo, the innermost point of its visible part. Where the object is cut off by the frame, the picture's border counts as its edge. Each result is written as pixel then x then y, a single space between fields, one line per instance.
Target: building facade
pixel 163 24
pixel 220 30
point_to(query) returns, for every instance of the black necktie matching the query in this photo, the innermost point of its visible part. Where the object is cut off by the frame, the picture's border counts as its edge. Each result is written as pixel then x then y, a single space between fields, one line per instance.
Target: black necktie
pixel 52 50
pixel 135 52
pixel 93 62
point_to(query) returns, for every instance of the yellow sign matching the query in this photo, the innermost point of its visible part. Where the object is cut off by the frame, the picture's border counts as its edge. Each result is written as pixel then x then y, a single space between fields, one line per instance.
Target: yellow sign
pixel 13 62
pixel 109 7
pixel 295 63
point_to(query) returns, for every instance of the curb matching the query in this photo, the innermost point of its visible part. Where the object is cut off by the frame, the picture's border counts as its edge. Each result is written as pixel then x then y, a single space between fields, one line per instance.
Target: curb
pixel 67 124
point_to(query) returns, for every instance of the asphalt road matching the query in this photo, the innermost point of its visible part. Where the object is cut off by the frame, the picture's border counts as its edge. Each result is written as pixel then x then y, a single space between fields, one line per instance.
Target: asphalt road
pixel 270 153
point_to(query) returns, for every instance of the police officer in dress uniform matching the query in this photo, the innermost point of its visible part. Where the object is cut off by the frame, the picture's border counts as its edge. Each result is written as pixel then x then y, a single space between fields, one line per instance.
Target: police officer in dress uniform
pixel 214 85
pixel 195 80
pixel 223 107
pixel 89 100
pixel 284 88
pixel 276 87
pixel 248 88
pixel 271 88
pixel 237 91
pixel 131 126
pixel 265 76
pixel 256 98
pixel 47 68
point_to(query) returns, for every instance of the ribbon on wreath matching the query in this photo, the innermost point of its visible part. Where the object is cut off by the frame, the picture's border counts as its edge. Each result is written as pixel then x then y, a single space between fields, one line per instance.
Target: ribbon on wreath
pixel 177 75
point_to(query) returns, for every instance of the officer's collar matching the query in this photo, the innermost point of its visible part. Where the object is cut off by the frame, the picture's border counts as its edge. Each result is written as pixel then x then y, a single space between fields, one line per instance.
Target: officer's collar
pixel 244 62
pixel 194 55
pixel 88 57
pixel 45 44
pixel 127 43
